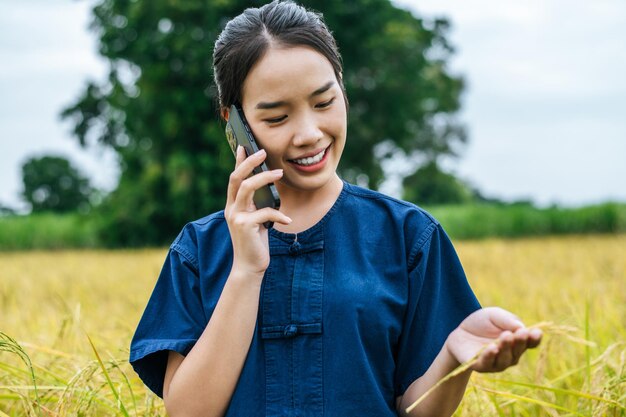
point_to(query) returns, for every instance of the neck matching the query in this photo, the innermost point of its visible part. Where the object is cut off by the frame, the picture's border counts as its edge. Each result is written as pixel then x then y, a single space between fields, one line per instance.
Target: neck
pixel 307 207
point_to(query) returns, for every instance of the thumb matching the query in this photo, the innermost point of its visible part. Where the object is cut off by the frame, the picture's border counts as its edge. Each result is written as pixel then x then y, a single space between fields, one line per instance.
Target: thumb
pixel 504 319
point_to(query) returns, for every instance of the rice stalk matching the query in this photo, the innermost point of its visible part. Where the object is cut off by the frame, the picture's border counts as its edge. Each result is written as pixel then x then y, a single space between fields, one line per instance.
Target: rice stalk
pixel 548 327
pixel 572 393
pixel 531 401
pixel 8 344
pixel 106 375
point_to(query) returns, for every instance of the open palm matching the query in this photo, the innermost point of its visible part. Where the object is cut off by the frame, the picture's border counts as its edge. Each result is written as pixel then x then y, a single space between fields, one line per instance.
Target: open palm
pixel 497 336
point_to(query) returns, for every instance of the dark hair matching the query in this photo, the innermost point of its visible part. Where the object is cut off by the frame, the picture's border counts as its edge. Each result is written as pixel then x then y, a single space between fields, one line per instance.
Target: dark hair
pixel 247 37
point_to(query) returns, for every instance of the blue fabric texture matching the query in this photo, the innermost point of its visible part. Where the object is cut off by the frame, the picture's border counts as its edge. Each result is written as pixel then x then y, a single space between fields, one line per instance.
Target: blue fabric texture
pixel 351 311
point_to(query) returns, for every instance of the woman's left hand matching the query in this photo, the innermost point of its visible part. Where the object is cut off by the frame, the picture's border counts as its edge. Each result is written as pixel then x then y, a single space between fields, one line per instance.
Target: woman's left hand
pixel 504 335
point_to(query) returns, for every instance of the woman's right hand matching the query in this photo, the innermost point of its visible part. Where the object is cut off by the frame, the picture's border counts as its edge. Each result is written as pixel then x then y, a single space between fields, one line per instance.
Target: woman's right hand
pixel 249 237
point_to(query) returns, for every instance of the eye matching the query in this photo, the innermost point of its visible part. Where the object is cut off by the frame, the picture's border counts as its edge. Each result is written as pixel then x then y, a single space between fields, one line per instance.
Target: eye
pixel 275 120
pixel 325 104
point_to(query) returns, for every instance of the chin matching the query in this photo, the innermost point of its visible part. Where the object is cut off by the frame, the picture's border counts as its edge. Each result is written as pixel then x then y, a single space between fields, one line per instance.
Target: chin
pixel 308 184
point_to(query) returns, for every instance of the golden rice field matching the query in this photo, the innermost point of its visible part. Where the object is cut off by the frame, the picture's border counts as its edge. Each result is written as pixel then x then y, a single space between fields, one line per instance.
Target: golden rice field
pixel 54 303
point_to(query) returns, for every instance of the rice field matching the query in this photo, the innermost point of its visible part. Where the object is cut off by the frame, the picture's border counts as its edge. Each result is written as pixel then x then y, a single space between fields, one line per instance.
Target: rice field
pixel 66 319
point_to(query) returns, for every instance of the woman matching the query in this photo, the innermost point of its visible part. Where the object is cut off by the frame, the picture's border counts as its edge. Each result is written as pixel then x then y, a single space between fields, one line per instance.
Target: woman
pixel 354 303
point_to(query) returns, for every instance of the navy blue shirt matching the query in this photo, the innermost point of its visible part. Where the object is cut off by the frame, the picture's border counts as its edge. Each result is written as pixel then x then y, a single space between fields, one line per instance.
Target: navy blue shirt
pixel 351 311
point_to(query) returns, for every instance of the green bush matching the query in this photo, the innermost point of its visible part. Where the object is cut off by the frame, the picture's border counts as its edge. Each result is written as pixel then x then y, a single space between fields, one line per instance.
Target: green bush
pixel 47 231
pixel 481 221
pixel 476 221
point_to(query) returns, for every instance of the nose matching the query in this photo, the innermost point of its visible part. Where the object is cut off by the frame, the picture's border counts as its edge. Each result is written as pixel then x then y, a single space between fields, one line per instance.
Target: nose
pixel 308 131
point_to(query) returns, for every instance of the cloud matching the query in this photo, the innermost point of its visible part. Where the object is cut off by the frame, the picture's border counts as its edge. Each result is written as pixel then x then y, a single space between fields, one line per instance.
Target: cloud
pixel 545 97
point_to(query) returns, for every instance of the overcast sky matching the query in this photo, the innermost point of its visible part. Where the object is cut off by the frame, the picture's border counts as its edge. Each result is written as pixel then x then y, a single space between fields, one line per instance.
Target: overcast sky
pixel 545 103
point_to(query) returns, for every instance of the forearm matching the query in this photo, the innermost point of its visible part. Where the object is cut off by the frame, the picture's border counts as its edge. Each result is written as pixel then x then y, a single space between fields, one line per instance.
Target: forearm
pixel 443 401
pixel 204 382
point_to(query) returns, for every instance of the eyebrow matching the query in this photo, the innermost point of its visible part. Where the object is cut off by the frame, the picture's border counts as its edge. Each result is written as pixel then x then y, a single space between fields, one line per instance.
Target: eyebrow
pixel 263 105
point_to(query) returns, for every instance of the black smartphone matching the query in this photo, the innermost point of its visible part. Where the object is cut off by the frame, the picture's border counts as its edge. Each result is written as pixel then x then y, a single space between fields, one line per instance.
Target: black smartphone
pixel 238 133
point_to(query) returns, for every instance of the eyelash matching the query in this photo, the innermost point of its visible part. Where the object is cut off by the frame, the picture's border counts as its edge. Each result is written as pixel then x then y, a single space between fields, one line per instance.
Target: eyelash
pixel 276 120
pixel 325 104
pixel 318 106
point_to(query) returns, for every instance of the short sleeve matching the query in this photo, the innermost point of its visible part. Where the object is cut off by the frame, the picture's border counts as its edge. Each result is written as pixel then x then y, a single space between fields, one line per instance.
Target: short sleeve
pixel 173 319
pixel 439 299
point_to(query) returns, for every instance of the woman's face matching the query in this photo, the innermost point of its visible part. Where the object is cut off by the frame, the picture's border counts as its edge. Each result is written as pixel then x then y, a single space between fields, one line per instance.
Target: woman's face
pixel 296 110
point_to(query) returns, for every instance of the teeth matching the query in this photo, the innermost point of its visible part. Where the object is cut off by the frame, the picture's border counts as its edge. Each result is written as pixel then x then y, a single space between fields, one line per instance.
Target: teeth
pixel 311 160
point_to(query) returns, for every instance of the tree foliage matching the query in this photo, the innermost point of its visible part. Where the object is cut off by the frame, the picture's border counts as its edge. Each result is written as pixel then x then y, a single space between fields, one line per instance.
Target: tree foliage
pixel 157 108
pixel 51 183
pixel 429 185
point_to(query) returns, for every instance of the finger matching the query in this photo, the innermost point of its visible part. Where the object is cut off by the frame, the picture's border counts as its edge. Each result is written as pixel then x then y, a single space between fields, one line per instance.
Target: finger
pixel 250 162
pixel 243 168
pixel 269 214
pixel 240 155
pixel 505 356
pixel 534 338
pixel 486 360
pixel 520 343
pixel 243 199
pixel 504 319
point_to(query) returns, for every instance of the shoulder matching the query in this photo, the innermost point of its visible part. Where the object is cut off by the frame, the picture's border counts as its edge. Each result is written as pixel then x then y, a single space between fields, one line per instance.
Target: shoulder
pixel 197 229
pixel 210 230
pixel 390 208
pixel 377 213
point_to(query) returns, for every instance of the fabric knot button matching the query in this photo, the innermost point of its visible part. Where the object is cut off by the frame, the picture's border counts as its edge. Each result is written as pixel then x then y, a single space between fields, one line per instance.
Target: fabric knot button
pixel 290 330
pixel 294 249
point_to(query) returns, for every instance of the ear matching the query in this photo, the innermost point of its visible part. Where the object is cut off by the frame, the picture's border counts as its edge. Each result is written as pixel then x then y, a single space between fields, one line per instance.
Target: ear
pixel 224 112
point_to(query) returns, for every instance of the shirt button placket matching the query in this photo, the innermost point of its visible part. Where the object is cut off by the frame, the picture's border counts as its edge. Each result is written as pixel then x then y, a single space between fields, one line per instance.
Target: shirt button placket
pixel 290 330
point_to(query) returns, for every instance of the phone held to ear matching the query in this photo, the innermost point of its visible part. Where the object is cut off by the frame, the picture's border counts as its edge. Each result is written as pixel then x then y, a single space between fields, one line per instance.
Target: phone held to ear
pixel 239 133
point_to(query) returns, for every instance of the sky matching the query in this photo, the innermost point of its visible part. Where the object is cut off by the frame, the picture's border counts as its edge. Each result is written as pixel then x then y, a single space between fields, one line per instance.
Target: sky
pixel 545 103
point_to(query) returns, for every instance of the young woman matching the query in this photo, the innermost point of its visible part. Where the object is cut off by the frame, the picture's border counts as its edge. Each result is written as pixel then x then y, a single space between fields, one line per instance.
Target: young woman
pixel 354 303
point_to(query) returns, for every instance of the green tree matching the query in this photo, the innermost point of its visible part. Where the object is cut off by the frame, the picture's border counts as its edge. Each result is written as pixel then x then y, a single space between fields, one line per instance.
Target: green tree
pixel 6 210
pixel 157 107
pixel 51 183
pixel 429 185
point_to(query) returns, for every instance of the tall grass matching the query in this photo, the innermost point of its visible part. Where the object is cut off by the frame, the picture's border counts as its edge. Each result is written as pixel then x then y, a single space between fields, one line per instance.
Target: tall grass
pixel 578 283
pixel 73 314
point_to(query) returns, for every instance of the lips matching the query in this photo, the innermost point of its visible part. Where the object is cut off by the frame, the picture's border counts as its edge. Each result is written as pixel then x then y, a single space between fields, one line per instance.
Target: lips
pixel 311 162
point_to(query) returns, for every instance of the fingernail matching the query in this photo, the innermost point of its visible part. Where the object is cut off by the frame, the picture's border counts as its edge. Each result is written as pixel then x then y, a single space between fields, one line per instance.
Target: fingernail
pixel 260 152
pixel 278 172
pixel 519 323
pixel 288 219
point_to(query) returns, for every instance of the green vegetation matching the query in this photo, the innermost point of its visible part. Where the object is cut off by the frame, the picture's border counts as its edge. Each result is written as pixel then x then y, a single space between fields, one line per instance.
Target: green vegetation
pixel 51 183
pixel 431 186
pixel 476 221
pixel 473 221
pixel 157 107
pixel 47 231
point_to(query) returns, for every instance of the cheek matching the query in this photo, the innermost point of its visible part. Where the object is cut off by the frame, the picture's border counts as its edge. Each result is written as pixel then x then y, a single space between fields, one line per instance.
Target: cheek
pixel 271 142
pixel 338 123
pixel 273 157
pixel 261 135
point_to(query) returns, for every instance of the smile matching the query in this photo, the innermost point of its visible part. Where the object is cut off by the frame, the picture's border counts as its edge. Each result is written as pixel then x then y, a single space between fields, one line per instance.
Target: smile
pixel 312 160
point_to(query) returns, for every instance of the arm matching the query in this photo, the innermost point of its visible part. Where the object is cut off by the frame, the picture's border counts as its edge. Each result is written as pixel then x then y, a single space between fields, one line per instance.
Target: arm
pixel 475 335
pixel 203 382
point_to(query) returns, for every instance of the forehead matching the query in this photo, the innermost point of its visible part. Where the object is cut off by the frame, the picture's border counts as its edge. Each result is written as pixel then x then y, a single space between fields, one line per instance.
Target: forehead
pixel 287 72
